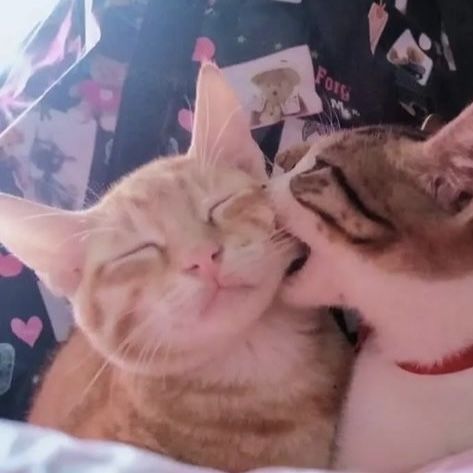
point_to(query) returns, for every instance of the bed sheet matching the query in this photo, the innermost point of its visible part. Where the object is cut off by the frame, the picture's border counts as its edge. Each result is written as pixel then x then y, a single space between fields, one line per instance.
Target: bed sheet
pixel 28 449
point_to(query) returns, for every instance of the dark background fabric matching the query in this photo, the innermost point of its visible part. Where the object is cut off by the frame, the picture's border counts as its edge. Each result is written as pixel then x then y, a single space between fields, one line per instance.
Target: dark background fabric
pixel 158 84
pixel 26 331
pixel 162 76
pixel 457 17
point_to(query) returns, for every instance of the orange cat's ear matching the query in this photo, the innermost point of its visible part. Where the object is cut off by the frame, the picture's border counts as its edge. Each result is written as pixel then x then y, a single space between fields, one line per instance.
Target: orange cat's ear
pixel 46 239
pixel 444 163
pixel 221 131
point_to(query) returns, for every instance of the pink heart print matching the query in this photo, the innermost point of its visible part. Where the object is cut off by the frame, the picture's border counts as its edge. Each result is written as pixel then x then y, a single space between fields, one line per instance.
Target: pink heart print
pixel 28 331
pixel 10 266
pixel 185 118
pixel 204 49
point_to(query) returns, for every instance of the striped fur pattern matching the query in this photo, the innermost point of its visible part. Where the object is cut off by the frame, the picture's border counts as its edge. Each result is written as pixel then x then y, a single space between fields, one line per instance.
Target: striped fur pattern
pixel 182 345
pixel 373 190
pixel 387 214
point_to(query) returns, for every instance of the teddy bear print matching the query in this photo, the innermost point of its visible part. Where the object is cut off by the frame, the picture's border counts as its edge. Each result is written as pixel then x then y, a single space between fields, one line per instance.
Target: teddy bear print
pixel 278 96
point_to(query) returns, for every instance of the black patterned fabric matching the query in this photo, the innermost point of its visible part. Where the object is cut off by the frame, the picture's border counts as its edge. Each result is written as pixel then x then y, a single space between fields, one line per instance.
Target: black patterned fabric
pixel 356 86
pixel 57 154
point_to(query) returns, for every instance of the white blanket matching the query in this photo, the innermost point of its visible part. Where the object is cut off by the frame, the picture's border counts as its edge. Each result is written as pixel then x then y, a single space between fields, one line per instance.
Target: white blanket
pixel 28 449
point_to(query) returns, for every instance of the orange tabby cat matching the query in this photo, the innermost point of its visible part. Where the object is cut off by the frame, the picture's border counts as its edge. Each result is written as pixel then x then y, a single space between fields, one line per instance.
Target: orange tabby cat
pixel 182 346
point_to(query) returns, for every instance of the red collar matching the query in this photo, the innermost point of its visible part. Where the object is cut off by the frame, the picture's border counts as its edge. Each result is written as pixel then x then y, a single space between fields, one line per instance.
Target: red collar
pixel 459 361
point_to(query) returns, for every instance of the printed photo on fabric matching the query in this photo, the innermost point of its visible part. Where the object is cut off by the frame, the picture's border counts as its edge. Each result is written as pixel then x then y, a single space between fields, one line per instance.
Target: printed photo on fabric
pixel 298 130
pixel 52 162
pixel 277 86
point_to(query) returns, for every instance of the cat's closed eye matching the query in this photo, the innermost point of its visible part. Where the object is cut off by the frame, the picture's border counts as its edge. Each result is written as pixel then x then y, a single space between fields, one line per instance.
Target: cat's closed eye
pixel 131 264
pixel 145 249
pixel 215 206
pixel 319 164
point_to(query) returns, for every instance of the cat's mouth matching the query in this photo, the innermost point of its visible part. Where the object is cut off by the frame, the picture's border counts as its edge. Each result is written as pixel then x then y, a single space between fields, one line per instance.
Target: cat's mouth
pixel 220 291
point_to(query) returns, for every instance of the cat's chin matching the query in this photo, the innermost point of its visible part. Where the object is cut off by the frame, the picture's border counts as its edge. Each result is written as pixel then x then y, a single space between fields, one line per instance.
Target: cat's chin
pixel 222 298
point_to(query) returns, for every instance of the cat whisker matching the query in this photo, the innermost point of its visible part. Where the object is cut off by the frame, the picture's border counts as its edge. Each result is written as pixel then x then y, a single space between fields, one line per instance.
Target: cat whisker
pixel 88 388
pixel 324 117
pixel 268 161
pixel 152 351
pixel 92 231
pixel 126 340
pixel 141 355
pixel 106 363
pixel 251 259
pixel 282 243
pixel 327 118
pixel 168 298
pixel 96 195
pixel 53 214
pixel 225 125
pixel 281 246
pixel 280 232
pixel 332 127
pixel 43 216
pixel 83 235
pixel 167 352
pixel 272 241
pixel 218 153
pixel 125 343
pixel 204 157
pixel 91 354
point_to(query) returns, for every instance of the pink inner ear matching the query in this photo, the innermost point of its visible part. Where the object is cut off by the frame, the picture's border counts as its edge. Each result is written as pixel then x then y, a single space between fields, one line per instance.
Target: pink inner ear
pixel 221 123
pixel 47 240
pixel 455 137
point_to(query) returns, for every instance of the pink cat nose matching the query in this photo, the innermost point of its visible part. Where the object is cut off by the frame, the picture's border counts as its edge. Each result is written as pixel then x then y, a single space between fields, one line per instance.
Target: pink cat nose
pixel 204 260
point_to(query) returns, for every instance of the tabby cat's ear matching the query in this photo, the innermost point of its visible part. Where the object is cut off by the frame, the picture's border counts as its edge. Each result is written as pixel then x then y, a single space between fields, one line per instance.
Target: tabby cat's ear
pixel 46 239
pixel 446 162
pixel 221 129
pixel 453 139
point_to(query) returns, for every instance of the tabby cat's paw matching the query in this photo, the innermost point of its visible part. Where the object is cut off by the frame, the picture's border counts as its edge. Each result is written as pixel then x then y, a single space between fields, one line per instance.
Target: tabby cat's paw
pixel 309 287
pixel 296 291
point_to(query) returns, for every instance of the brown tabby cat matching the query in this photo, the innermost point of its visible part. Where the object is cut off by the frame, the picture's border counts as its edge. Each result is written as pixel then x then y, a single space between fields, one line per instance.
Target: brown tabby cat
pixel 182 346
pixel 388 215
